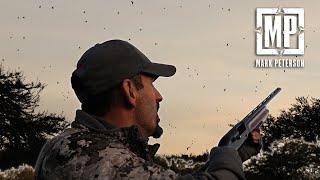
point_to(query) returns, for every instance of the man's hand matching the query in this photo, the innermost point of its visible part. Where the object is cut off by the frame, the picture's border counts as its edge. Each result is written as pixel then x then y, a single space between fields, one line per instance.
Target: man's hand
pixel 251 146
pixel 256 136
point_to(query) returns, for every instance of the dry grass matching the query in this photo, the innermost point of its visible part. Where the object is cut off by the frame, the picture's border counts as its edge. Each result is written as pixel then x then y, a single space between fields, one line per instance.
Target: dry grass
pixel 23 172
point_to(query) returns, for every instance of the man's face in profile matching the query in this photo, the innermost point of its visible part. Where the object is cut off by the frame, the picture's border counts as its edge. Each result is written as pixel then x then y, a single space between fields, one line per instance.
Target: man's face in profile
pixel 147 108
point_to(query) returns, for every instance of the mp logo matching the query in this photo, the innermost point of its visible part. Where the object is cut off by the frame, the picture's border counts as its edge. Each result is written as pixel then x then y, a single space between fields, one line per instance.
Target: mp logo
pixel 280 31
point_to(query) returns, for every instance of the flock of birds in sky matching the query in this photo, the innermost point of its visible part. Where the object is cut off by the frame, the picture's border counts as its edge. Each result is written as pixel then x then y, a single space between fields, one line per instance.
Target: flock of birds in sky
pixel 192 72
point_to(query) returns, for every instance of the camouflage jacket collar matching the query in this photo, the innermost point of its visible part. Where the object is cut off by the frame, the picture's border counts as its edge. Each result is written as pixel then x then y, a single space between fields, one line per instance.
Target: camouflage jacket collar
pixel 130 135
pixel 90 122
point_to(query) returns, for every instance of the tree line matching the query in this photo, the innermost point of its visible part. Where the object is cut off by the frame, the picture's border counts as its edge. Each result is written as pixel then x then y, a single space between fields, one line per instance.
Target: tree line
pixel 291 140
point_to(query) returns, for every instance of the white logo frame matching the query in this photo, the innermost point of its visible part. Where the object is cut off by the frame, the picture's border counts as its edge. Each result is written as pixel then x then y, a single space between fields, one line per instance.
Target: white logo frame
pixel 279 11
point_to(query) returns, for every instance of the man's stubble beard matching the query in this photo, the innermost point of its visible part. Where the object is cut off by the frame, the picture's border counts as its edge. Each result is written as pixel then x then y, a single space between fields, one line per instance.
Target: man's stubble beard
pixel 157 132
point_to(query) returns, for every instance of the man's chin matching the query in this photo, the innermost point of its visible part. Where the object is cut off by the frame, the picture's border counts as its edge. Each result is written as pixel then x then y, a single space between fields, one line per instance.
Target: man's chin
pixel 158 132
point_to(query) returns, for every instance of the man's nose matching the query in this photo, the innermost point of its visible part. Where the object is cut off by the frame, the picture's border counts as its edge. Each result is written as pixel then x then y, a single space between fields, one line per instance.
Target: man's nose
pixel 159 98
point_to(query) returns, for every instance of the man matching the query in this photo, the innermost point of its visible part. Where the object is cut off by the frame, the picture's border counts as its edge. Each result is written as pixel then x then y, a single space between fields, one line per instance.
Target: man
pixel 109 137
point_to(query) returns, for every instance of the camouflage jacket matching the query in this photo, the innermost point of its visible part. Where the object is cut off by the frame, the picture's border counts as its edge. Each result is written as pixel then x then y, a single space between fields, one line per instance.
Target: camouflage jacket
pixel 92 149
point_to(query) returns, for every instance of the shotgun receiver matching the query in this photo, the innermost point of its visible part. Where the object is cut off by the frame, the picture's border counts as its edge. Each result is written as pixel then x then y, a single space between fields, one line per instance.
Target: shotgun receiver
pixel 240 132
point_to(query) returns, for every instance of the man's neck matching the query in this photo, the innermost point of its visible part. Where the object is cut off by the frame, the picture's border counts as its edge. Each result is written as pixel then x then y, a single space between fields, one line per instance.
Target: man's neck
pixel 119 118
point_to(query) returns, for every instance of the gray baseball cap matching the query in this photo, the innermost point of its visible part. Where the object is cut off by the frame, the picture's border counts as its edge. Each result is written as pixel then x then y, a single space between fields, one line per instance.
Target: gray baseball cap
pixel 106 65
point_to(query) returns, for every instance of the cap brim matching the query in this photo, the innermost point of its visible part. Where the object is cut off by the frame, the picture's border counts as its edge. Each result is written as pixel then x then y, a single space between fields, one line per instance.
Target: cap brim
pixel 157 69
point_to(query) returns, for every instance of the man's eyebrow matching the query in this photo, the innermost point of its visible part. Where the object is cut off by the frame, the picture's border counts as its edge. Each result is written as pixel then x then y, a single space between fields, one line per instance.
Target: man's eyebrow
pixel 154 78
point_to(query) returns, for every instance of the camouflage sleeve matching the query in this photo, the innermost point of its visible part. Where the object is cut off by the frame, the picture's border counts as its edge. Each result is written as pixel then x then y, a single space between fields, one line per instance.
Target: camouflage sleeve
pixel 224 163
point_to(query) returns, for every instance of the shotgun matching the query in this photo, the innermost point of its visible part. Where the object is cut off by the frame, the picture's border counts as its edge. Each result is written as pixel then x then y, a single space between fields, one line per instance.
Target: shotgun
pixel 240 132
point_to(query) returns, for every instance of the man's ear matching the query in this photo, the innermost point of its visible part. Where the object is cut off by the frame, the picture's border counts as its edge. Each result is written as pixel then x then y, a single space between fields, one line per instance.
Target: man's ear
pixel 129 92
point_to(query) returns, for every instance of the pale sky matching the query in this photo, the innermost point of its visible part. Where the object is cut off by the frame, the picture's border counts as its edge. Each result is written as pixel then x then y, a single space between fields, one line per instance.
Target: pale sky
pixel 211 42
